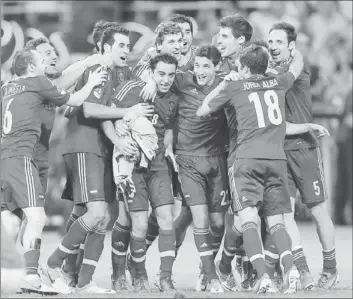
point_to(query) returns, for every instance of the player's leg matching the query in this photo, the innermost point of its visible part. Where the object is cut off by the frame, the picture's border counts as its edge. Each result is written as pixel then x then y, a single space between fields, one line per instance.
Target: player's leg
pixel 218 202
pixel 314 194
pixel 246 188
pixel 276 204
pixel 120 243
pixel 87 172
pixel 12 264
pixel 162 201
pixel 138 208
pixel 152 230
pixel 194 189
pixel 181 223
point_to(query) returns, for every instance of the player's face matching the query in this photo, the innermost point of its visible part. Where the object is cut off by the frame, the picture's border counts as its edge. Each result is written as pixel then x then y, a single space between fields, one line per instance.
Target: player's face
pixel 49 57
pixel 187 37
pixel 39 67
pixel 227 44
pixel 164 74
pixel 120 50
pixel 204 70
pixel 172 44
pixel 278 45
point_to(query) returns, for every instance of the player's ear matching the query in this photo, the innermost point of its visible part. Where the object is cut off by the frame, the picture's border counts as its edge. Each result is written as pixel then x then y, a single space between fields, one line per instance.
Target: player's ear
pixel 291 45
pixel 241 40
pixel 107 48
pixel 158 47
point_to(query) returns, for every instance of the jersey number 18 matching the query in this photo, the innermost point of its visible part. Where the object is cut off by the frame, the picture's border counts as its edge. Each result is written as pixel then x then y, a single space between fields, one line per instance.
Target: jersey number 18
pixel 273 109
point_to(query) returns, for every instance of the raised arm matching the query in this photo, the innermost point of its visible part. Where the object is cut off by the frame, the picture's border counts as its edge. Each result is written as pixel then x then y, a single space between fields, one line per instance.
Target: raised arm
pixel 295 129
pixel 297 64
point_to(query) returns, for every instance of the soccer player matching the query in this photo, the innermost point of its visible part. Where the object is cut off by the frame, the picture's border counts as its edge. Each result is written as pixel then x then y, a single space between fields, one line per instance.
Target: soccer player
pixel 152 185
pixel 22 101
pixel 169 40
pixel 234 31
pixel 74 261
pixel 257 166
pixel 201 149
pixel 86 156
pixel 304 161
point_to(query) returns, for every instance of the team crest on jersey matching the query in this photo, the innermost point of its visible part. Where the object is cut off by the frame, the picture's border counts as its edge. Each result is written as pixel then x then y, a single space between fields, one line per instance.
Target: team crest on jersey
pixel 98 92
pixel 121 76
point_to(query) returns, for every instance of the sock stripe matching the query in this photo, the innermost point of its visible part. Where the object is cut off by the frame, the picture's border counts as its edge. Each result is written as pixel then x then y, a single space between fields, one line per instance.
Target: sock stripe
pixel 168 253
pixel 245 258
pixel 90 262
pixel 117 227
pixel 256 256
pixel 138 259
pixel 201 231
pixel 287 252
pixel 84 225
pixel 276 227
pixel 82 246
pixel 67 250
pixel 249 225
pixel 227 253
pixel 119 253
pixel 206 253
pixel 271 255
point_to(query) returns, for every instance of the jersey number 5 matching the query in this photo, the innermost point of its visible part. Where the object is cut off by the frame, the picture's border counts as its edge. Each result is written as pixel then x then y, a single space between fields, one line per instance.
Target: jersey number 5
pixel 273 110
pixel 7 126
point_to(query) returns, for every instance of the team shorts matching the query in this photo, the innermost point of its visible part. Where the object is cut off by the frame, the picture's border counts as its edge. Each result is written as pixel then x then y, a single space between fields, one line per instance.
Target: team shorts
pixel 68 192
pixel 150 186
pixel 20 184
pixel 260 183
pixel 204 180
pixel 41 158
pixel 306 173
pixel 91 177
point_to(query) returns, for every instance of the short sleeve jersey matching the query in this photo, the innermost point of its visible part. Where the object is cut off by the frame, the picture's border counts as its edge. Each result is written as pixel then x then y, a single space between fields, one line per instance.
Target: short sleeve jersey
pixel 259 108
pixel 23 100
pixel 86 135
pixel 198 136
pixel 165 109
pixel 299 110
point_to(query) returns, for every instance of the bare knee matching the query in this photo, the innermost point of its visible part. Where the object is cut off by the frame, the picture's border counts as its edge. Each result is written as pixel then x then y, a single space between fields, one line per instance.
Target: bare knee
pixel 96 213
pixel 123 217
pixel 139 222
pixel 200 216
pixel 164 216
pixel 249 214
pixel 274 220
pixel 35 216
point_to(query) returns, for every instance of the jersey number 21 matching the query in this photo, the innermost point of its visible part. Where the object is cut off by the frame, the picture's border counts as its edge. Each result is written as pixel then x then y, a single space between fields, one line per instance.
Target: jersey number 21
pixel 273 109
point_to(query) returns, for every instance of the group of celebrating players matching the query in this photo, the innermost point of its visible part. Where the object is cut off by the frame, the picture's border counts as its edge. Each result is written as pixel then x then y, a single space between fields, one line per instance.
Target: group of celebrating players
pixel 235 140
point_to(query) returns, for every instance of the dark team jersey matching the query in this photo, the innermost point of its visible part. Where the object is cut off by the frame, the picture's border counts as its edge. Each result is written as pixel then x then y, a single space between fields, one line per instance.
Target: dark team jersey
pixel 165 109
pixel 189 66
pixel 85 134
pixel 227 65
pixel 299 109
pixel 198 136
pixel 259 108
pixel 23 100
pixel 122 74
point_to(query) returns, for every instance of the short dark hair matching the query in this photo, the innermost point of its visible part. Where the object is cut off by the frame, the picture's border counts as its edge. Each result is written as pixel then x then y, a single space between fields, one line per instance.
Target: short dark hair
pixel 166 28
pixel 210 52
pixel 108 35
pixel 179 18
pixel 34 43
pixel 22 59
pixel 98 30
pixel 239 26
pixel 166 58
pixel 287 28
pixel 255 58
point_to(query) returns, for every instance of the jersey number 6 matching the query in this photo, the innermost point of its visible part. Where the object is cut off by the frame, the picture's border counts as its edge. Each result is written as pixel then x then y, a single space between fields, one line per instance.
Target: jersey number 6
pixel 7 118
pixel 273 110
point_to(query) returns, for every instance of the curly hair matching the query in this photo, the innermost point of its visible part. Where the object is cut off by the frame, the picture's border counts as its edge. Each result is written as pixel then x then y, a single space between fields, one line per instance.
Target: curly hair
pixel 166 28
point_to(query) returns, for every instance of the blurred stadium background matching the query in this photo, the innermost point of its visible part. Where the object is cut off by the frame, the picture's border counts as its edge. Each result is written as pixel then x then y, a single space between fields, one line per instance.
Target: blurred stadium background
pixel 325 38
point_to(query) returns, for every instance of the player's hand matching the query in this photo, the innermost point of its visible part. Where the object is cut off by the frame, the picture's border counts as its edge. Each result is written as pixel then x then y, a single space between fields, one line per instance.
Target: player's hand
pixel 98 77
pixel 169 154
pixel 149 91
pixel 141 109
pixel 127 146
pixel 152 52
pixel 232 76
pixel 320 130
